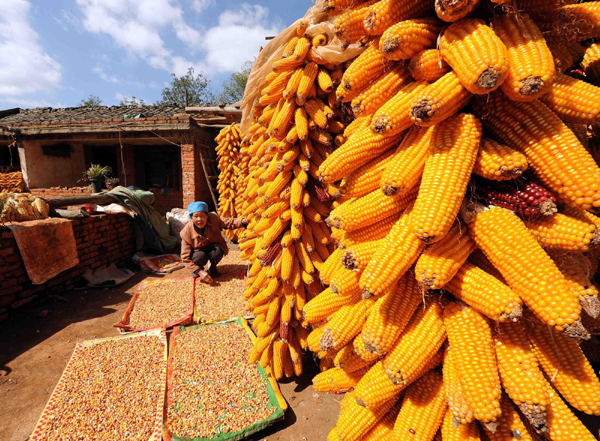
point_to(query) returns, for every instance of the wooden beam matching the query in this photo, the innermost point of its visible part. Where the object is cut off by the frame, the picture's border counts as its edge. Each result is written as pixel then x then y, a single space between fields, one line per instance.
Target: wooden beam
pixel 223 110
pixel 65 201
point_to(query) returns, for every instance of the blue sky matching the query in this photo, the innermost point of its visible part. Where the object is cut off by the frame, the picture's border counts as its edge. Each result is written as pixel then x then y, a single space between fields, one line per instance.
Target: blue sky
pixel 53 53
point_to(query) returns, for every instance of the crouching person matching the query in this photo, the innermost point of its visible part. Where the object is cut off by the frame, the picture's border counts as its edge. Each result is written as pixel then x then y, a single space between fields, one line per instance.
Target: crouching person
pixel 202 241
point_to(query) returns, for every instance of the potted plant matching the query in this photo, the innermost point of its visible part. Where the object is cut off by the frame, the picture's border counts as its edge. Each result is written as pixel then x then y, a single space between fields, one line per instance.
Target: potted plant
pixel 111 183
pixel 95 174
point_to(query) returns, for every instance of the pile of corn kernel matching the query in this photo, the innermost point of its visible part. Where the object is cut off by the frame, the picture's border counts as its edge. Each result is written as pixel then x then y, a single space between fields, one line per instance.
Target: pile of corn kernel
pixel 111 392
pixel 161 303
pixel 223 300
pixel 214 389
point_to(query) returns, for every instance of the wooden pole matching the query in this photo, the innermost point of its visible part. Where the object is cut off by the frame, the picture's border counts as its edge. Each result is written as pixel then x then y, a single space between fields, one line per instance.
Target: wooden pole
pixel 65 201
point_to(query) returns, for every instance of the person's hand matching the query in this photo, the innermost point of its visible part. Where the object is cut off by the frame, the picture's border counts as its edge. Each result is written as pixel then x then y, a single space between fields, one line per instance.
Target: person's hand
pixel 245 222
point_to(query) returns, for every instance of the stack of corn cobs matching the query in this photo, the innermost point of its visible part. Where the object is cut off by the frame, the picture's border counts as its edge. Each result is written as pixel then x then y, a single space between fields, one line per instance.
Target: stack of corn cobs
pixel 228 149
pixel 459 290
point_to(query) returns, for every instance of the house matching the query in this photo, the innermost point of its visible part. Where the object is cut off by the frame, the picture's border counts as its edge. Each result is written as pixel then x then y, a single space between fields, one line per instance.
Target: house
pixel 168 149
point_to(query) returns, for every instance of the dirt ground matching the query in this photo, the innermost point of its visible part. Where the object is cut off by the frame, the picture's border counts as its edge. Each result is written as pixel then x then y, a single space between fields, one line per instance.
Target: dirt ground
pixel 35 348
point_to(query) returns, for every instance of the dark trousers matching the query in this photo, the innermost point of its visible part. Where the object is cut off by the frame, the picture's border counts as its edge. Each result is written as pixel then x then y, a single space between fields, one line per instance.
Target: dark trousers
pixel 212 253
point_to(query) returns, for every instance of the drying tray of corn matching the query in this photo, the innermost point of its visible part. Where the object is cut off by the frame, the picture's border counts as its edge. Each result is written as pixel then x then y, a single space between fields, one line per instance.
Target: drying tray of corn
pixel 213 393
pixel 159 304
pixel 112 389
pixel 221 301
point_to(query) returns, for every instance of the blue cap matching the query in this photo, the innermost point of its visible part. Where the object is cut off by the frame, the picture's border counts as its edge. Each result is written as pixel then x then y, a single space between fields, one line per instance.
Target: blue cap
pixel 196 207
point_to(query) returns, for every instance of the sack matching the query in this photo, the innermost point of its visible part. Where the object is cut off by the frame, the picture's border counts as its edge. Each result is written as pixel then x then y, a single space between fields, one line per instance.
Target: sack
pixel 177 219
pixel 20 207
pixel 319 22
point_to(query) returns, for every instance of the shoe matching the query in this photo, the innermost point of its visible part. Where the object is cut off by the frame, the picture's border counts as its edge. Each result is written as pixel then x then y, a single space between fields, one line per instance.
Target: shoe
pixel 214 273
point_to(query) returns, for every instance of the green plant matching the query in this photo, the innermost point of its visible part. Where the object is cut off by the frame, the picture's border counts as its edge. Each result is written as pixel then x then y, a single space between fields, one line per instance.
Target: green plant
pixel 97 171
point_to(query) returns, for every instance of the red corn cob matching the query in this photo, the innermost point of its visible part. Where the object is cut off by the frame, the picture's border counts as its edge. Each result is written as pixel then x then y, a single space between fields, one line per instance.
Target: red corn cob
pixel 525 198
pixel 272 252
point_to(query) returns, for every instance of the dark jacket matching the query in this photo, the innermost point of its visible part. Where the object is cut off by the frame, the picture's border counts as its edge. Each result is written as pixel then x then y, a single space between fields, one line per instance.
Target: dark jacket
pixel 192 241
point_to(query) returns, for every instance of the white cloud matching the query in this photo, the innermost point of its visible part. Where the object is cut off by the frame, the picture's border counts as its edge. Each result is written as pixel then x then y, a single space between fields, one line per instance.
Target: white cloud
pixel 238 38
pixel 30 103
pixel 25 67
pixel 100 72
pixel 201 5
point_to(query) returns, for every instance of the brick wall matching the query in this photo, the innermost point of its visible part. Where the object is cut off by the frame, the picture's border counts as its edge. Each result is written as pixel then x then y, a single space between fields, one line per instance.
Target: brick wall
pixel 163 204
pixel 100 240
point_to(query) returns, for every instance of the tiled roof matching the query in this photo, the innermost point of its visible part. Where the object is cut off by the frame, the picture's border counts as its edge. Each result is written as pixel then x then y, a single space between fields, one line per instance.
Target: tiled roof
pixel 75 114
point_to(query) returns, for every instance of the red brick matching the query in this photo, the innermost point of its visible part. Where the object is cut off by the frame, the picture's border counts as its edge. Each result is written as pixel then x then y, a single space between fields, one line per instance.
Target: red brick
pixel 7 300
pixel 24 301
pixel 8 283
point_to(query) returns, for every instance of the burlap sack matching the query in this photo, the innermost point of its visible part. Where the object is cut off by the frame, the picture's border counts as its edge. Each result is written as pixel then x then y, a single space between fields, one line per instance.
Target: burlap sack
pixel 319 23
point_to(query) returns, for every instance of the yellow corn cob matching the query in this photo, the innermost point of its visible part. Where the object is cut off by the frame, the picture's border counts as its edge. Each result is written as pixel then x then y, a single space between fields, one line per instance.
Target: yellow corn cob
pixel 356 421
pixel 345 324
pixel 383 429
pixel 324 80
pixel 531 72
pixel 591 63
pixel 293 83
pixel 428 65
pixel 422 409
pixel 357 257
pixel 393 258
pixel 301 121
pixel 449 10
pixel 405 39
pixel 477 55
pixel 520 373
pixel 458 408
pixel 365 68
pixel 566 366
pixel 406 167
pixel 582 20
pixel 470 338
pixel 464 432
pixel 324 305
pixel 580 131
pixel 337 380
pixel 454 145
pixel 359 123
pixel 287 262
pixel 306 82
pixel 439 101
pixel 510 425
pixel 394 116
pixel 485 293
pixel 349 26
pixel 385 13
pixel 564 232
pixel 361 351
pixel 574 267
pixel 373 232
pixel 553 152
pixel 440 262
pixel 390 315
pixel 279 353
pixel 371 209
pixel 365 179
pixel 573 100
pixel 562 423
pixel 333 263
pixel 288 64
pixel 498 162
pixel 381 90
pixel 274 311
pixel 545 287
pixel 348 360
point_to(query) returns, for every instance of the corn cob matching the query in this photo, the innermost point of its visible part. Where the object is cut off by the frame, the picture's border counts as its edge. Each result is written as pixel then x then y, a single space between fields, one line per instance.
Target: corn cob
pixel 520 373
pixel 573 100
pixel 428 65
pixel 531 72
pixel 365 179
pixel 553 152
pixel 454 143
pixel 381 90
pixel 405 39
pixel 566 233
pixel 337 380
pixel 348 360
pixel 422 409
pixel 385 13
pixel 356 421
pixel 439 101
pixel 522 253
pixel 394 116
pixel 324 305
pixel 355 153
pixel 390 315
pixel 357 257
pixel 407 164
pixel 470 338
pixel 306 82
pixel 393 258
pixel 366 67
pixel 349 25
pixel 564 363
pixel 480 70
pixel 464 432
pixel 449 10
pixel 439 263
pixel 582 20
pixel 345 282
pixel 458 408
pixel 510 425
pixel 383 430
pixel 591 63
pixel 373 232
pixel 344 325
pixel 498 162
